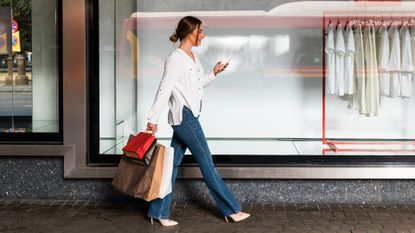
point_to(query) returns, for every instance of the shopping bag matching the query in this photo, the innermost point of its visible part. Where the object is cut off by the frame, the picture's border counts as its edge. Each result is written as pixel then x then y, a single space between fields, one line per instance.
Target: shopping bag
pixel 147 154
pixel 166 186
pixel 137 179
pixel 154 191
pixel 139 145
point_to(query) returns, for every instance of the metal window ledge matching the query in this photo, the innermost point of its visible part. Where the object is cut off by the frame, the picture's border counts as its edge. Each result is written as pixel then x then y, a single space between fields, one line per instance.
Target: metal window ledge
pixel 74 169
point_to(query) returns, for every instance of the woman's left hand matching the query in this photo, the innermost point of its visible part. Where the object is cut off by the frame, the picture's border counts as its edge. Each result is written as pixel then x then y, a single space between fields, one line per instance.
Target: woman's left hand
pixel 219 67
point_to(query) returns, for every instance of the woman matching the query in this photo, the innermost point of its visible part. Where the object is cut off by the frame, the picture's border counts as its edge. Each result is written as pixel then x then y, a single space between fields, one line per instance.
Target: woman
pixel 182 87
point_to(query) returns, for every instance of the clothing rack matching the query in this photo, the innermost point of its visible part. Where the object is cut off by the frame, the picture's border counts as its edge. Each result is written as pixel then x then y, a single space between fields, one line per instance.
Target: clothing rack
pixel 377 18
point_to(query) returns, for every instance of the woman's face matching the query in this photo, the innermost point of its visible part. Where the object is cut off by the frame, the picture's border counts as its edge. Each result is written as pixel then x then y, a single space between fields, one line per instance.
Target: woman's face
pixel 196 41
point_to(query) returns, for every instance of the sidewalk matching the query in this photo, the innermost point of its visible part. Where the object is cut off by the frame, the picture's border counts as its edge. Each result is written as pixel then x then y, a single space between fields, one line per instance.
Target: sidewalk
pixel 20 216
pixel 15 88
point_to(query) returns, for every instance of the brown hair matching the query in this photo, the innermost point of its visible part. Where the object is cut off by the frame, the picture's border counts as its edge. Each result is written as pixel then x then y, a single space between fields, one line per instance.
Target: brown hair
pixel 185 26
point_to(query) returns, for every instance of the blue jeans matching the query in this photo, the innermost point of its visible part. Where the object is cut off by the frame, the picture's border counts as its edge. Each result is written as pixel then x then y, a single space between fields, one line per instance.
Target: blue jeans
pixel 189 134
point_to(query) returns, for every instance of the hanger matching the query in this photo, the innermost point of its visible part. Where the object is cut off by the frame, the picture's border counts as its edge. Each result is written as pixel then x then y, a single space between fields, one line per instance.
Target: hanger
pixel 359 23
pixel 347 22
pixel 410 22
pixel 390 23
pixel 383 23
pixel 366 21
pixel 401 23
pixel 329 20
pixel 338 22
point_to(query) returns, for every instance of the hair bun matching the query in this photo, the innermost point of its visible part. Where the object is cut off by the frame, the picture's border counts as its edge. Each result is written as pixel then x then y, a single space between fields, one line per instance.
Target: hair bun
pixel 173 38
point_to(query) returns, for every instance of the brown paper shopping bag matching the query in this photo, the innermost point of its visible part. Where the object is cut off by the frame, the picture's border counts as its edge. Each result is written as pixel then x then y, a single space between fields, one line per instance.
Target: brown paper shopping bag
pixel 137 179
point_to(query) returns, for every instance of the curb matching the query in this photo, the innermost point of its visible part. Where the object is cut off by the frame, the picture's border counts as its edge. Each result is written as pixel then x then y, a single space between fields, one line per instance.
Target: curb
pixel 23 88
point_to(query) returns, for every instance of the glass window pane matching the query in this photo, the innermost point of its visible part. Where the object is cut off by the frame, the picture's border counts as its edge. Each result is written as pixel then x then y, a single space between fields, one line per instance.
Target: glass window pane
pixel 29 78
pixel 269 98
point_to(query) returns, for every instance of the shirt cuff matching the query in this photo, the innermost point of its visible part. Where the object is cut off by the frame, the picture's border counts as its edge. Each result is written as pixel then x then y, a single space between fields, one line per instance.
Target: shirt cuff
pixel 212 76
pixel 151 120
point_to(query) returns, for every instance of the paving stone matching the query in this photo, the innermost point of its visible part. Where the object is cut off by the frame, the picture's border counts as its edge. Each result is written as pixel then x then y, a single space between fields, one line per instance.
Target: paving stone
pixel 279 207
pixel 347 227
pixel 323 206
pixel 363 216
pixel 338 215
pixel 305 215
pixel 400 230
pixel 358 231
pixel 268 209
pixel 292 215
pixel 291 208
pixel 350 215
pixel 280 215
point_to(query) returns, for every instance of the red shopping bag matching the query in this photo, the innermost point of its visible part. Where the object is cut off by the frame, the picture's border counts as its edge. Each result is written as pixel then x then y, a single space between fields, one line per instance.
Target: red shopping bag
pixel 139 145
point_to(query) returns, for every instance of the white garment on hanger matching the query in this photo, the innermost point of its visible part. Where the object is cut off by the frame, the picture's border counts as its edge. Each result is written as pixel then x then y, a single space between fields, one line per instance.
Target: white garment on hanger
pixel 330 61
pixel 406 67
pixel 340 50
pixel 349 61
pixel 359 99
pixel 383 61
pixel 372 78
pixel 412 33
pixel 395 62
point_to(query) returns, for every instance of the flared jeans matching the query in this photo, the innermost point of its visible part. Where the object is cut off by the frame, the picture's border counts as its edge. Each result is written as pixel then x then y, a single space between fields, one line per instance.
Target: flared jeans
pixel 189 134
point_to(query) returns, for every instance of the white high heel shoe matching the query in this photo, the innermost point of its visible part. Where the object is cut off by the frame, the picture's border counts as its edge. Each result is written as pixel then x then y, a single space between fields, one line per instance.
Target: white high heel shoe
pixel 238 216
pixel 165 222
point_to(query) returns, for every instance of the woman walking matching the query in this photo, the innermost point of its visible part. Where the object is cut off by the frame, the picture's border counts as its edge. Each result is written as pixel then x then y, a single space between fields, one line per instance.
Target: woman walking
pixel 182 88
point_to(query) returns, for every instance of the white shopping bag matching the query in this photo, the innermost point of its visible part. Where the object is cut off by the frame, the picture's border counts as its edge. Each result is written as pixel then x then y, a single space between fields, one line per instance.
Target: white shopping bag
pixel 166 188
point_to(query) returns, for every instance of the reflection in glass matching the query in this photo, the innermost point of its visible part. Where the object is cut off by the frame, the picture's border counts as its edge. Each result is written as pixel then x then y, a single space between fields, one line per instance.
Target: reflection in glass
pixel 29 76
pixel 272 89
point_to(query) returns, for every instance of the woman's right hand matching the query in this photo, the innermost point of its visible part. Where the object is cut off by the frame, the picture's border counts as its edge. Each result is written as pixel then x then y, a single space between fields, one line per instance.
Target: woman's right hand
pixel 152 127
pixel 219 67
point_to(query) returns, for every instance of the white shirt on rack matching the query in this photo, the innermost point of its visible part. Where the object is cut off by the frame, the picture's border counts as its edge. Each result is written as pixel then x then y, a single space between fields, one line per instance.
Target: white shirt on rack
pixel 395 62
pixel 349 61
pixel 383 61
pixel 359 99
pixel 340 50
pixel 412 33
pixel 406 66
pixel 181 85
pixel 330 61
pixel 372 78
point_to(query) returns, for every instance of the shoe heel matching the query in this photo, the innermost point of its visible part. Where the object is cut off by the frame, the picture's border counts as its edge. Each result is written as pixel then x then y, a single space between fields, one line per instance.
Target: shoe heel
pixel 226 219
pixel 151 221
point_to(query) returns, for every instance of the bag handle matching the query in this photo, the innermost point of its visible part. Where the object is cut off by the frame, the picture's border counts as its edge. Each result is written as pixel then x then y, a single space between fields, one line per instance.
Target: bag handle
pixel 149 131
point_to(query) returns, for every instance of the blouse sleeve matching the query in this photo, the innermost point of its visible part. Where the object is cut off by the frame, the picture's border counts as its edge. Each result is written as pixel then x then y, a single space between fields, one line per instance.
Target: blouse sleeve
pixel 208 78
pixel 170 74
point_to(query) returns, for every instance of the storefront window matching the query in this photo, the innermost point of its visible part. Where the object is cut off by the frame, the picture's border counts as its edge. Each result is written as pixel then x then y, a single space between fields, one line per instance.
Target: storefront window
pixel 29 74
pixel 270 100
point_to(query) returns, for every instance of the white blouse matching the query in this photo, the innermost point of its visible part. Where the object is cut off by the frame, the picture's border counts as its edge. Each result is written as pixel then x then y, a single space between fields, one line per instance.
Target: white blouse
pixel 349 61
pixel 181 85
pixel 340 49
pixel 330 61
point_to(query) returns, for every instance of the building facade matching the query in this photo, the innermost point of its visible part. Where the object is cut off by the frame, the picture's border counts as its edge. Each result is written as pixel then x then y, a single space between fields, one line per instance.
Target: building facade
pixel 276 131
